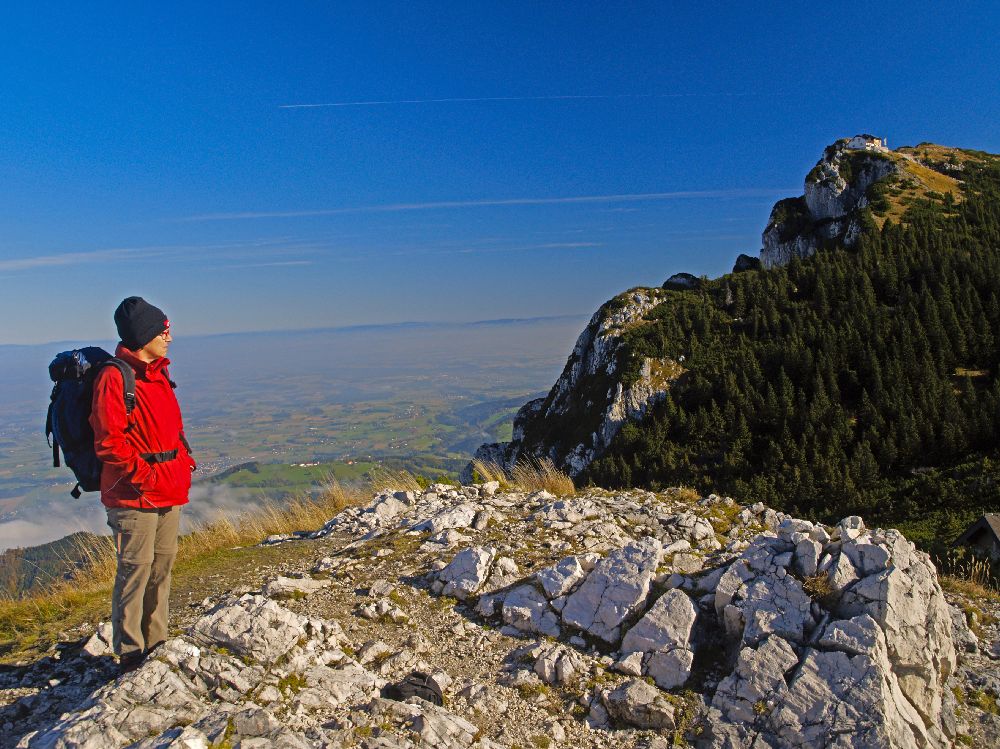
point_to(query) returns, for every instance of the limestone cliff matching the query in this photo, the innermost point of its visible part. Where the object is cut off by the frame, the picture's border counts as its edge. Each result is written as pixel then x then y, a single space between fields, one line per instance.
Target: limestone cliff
pixel 591 400
pixel 858 182
pixel 836 192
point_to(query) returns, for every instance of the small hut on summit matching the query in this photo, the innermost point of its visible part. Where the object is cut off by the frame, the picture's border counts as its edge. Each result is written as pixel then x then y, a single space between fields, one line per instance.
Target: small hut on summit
pixel 983 536
pixel 868 142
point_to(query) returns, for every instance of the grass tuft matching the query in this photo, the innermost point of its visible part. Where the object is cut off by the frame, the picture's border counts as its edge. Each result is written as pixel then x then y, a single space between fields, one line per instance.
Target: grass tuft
pixel 541 474
pixel 385 479
pixel 968 574
pixel 819 589
pixel 528 475
pixel 485 471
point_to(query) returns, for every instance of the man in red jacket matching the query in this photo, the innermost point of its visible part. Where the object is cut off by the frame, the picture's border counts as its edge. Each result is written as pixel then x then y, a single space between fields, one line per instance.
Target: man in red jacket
pixel 145 477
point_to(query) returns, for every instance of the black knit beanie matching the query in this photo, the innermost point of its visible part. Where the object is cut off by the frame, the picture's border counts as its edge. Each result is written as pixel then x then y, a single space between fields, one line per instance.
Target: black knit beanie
pixel 139 322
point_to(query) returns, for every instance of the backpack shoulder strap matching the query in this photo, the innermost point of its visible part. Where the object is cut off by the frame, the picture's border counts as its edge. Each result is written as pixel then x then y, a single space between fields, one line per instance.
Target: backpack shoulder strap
pixel 128 379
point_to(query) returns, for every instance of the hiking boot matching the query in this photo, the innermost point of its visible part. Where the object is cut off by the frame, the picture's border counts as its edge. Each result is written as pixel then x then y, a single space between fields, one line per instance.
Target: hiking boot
pixel 130 662
pixel 150 650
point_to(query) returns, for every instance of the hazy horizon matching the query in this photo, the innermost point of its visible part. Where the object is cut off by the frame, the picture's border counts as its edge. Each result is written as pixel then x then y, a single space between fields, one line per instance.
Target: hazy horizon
pixel 305 386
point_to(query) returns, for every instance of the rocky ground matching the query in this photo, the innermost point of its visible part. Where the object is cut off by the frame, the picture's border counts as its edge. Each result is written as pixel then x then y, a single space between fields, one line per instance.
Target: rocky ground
pixel 599 620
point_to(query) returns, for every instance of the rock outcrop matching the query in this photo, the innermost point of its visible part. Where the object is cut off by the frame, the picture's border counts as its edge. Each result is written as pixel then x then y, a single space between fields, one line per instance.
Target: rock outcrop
pixel 785 633
pixel 746 263
pixel 836 191
pixel 591 400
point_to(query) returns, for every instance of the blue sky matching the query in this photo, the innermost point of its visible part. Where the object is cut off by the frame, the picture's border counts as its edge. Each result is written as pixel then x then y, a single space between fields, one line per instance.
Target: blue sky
pixel 482 160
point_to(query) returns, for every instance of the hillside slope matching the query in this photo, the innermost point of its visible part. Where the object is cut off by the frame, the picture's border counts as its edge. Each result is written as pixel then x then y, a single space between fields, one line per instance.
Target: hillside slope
pixel 858 372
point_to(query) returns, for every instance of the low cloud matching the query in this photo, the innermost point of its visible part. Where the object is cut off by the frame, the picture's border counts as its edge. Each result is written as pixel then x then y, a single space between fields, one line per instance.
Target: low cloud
pixel 24 533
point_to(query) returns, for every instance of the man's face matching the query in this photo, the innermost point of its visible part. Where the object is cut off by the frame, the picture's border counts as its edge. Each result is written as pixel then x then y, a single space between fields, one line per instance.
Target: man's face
pixel 157 348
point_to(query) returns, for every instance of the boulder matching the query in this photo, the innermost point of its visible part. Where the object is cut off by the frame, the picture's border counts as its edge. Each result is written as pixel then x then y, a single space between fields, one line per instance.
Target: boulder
pixel 467 572
pixel 253 626
pixel 906 601
pixel 558 664
pixel 562 577
pixel 615 590
pixel 290 587
pixel 872 669
pixel 525 609
pixel 666 625
pixel 330 687
pixel 639 704
pixel 460 516
pixel 663 635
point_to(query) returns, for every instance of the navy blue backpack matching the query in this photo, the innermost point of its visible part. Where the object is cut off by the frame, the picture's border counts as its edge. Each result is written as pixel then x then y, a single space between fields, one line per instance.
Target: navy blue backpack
pixel 67 425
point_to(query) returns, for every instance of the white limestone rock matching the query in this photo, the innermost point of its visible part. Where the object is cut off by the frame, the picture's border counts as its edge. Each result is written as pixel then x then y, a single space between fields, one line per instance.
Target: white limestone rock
pixel 460 516
pixel 807 553
pixel 253 626
pixel 330 687
pixel 667 625
pixel 527 610
pixel 614 590
pixel 641 705
pixel 663 635
pixel 885 648
pixel 769 603
pixel 467 572
pixel 841 572
pixel 562 577
pixel 387 507
pixel 630 664
pixel 100 643
pixel 758 676
pixel 288 587
pixel 558 664
pixel 906 601
pixel 670 669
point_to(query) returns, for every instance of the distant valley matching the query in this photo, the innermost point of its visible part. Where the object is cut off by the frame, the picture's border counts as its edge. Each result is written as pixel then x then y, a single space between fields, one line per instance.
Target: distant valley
pixel 420 395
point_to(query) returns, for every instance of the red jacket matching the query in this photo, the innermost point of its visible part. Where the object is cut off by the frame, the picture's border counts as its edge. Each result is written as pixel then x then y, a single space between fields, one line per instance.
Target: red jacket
pixel 155 425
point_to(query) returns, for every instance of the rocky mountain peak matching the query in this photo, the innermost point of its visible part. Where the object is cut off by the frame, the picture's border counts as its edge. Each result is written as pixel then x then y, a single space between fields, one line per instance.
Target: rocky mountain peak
pixel 836 190
pixel 852 175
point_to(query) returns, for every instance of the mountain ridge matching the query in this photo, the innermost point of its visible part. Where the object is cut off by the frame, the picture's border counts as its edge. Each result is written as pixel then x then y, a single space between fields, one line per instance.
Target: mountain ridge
pixel 864 350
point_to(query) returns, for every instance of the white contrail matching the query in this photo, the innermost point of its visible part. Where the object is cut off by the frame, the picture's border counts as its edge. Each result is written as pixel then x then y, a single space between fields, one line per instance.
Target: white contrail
pixel 238 249
pixel 464 100
pixel 68 258
pixel 396 207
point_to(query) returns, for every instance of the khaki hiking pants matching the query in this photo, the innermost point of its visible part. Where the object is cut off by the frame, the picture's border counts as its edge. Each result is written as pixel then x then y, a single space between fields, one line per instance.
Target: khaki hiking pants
pixel 146 545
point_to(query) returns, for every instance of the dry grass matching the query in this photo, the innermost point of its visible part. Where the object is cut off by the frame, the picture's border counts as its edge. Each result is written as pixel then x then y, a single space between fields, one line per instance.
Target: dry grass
pixel 919 181
pixel 67 603
pixel 684 494
pixel 541 474
pixel 384 479
pixel 819 589
pixel 968 575
pixel 486 471
pixel 527 475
